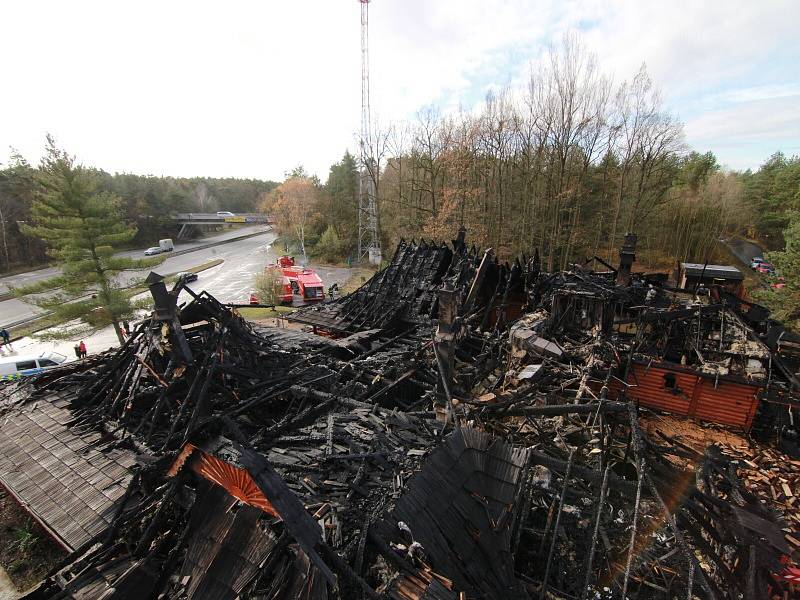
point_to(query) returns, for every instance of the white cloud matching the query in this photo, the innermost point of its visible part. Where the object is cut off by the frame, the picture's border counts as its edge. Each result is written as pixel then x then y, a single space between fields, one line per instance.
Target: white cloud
pixel 693 45
pixel 761 92
pixel 738 133
pixel 253 89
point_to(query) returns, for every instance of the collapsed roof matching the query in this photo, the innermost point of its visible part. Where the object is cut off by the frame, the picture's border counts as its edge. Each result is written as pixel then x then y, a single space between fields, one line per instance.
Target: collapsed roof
pixel 464 429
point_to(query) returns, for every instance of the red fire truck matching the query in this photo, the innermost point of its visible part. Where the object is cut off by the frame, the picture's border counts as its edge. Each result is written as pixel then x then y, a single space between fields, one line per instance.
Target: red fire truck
pixel 299 284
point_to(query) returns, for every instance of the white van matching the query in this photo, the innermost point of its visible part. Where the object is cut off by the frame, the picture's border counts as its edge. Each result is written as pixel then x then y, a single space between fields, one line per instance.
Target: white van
pixel 17 367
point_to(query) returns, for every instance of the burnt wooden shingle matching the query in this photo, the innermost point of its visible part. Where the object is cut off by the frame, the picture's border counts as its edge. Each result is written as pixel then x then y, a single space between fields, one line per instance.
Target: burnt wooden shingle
pixel 43 463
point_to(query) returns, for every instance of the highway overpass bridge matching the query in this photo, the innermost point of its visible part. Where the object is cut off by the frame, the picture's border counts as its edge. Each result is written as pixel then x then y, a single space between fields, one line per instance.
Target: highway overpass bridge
pixel 188 220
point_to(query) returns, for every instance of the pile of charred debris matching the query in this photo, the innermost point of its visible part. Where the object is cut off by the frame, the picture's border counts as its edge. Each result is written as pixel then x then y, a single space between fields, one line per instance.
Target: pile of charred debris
pixel 458 428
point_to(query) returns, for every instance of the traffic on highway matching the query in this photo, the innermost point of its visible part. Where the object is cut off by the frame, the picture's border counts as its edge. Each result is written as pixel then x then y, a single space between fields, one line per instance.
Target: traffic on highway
pixel 230 280
pixel 234 245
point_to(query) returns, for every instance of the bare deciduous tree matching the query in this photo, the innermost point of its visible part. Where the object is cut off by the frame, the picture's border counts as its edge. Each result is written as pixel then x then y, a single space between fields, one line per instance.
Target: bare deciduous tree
pixel 564 167
pixel 293 203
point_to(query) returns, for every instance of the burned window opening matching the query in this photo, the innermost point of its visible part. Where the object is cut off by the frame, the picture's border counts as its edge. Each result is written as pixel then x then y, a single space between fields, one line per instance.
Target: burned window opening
pixel 670 382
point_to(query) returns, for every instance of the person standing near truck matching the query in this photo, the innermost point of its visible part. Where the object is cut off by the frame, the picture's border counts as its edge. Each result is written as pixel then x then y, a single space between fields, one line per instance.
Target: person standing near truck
pixel 82 348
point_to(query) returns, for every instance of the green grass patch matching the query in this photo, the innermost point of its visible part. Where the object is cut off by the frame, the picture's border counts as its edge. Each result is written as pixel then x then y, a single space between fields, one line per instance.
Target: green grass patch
pixel 26 552
pixel 358 276
pixel 265 313
pixel 206 265
pixel 34 326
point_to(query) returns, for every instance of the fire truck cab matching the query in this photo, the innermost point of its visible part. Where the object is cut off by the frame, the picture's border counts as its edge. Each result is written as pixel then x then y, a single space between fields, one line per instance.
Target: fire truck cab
pixel 300 284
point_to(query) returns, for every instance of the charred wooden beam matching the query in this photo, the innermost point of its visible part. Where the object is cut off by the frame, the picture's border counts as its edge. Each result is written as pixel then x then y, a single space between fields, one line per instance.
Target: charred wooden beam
pixel 303 528
pixel 558 410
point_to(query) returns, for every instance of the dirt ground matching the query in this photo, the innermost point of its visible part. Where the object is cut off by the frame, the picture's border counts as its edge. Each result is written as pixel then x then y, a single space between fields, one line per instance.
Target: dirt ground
pixel 762 469
pixel 27 553
pixel 692 433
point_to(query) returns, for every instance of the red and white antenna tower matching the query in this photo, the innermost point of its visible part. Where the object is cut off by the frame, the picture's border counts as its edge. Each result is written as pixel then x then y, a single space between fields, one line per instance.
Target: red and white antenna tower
pixel 369 243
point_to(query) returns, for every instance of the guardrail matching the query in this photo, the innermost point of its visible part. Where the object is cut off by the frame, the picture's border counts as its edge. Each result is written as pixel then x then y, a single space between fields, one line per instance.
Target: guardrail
pixel 200 218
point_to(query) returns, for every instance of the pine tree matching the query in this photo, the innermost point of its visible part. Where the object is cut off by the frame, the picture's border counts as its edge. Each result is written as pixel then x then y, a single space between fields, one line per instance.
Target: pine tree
pixel 82 228
pixel 785 302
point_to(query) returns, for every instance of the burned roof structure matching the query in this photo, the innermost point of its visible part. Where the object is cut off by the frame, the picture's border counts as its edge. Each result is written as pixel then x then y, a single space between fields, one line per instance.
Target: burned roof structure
pixel 407 291
pixel 465 428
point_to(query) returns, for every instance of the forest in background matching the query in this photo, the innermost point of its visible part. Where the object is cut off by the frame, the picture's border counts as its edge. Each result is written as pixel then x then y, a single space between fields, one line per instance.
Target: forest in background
pixel 145 202
pixel 696 204
pixel 567 166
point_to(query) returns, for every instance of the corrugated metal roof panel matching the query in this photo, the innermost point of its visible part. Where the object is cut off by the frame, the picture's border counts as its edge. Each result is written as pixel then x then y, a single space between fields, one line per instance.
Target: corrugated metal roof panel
pixel 650 390
pixel 237 482
pixel 676 391
pixel 709 271
pixel 730 403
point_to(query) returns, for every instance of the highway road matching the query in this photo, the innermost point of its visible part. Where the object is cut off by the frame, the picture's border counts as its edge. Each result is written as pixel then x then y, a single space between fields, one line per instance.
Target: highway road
pixel 231 281
pixel 34 276
pixel 743 250
pixel 241 257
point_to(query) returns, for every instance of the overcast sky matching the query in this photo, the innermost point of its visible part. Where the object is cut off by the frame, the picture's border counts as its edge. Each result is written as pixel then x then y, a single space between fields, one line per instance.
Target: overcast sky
pixel 253 88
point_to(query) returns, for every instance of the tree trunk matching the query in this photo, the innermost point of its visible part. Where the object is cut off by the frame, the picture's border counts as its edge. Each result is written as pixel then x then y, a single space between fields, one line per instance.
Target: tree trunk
pixel 115 323
pixel 105 293
pixel 5 240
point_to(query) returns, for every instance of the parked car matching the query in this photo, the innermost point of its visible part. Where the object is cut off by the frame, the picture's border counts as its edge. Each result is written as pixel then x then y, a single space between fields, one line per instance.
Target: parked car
pixel 254 298
pixel 153 250
pixel 225 213
pixel 187 276
pixel 16 367
pixel 765 268
pixel 757 260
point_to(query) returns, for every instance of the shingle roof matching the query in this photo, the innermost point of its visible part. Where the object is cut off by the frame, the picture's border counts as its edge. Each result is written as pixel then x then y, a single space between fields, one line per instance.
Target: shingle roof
pixel 64 476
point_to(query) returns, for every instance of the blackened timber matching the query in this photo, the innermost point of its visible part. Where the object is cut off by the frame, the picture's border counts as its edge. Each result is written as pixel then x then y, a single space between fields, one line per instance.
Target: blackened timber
pixel 383 391
pixel 152 529
pixel 297 520
pixel 162 398
pixel 186 401
pixel 638 441
pixel 553 410
pixel 200 405
pixel 620 485
pixel 300 391
pixel 564 487
pixel 627 254
pixel 347 572
pixel 445 508
pixel 598 517
pixel 480 274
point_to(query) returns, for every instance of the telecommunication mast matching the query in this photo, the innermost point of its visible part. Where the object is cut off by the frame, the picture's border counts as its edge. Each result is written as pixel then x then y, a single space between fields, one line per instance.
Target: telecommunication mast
pixel 369 243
